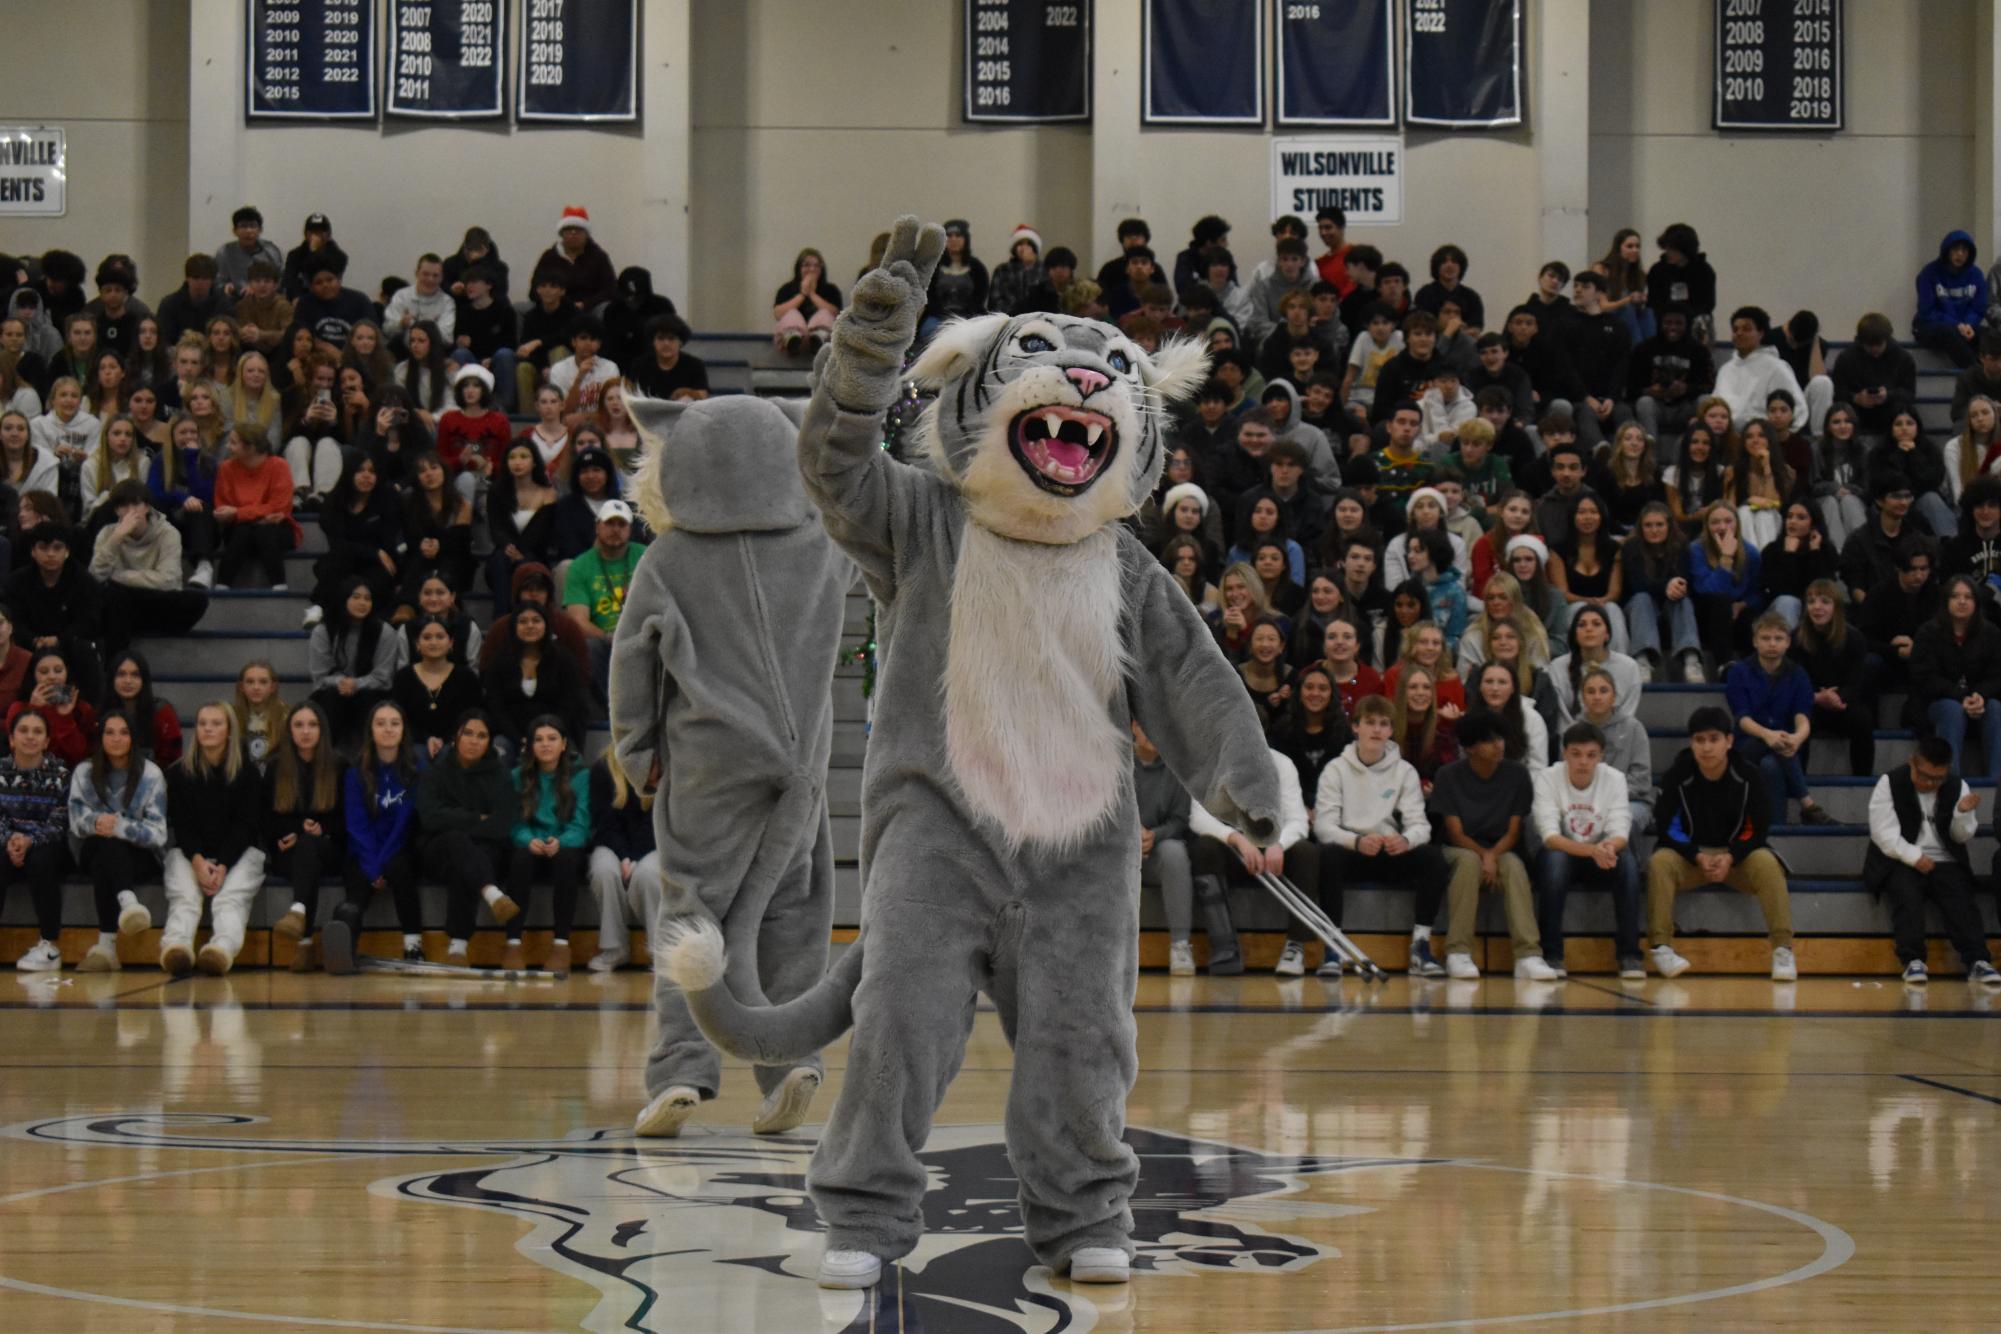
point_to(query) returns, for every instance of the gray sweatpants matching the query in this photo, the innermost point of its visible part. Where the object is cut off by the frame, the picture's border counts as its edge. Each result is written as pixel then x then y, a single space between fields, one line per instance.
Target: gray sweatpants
pixel 1166 869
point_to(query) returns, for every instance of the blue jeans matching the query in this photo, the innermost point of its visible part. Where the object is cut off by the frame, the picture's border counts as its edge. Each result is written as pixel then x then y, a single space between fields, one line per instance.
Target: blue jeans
pixel 1933 509
pixel 1559 869
pixel 1949 722
pixel 1784 775
pixel 1643 624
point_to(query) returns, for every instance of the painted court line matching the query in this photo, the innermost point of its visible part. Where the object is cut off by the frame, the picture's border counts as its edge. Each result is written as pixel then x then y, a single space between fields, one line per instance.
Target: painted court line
pixel 1952 1088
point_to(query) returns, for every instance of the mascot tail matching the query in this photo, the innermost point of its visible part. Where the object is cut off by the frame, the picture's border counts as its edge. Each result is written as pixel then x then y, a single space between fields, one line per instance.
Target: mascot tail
pixel 692 957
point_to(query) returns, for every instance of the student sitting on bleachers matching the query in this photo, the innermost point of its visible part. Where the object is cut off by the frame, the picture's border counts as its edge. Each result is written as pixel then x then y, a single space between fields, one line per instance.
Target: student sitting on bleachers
pixel 624 866
pixel 1370 809
pixel 1164 847
pixel 378 819
pixel 1838 665
pixel 118 833
pixel 1582 811
pixel 466 808
pixel 1483 802
pixel 1712 823
pixel 1921 819
pixel 551 837
pixel 1771 698
pixel 1956 673
pixel 303 832
pixel 1223 855
pixel 34 800
pixel 215 809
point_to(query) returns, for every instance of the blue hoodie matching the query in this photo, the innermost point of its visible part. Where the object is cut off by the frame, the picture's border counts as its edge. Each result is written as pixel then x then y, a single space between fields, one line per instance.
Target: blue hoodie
pixel 375 834
pixel 1952 296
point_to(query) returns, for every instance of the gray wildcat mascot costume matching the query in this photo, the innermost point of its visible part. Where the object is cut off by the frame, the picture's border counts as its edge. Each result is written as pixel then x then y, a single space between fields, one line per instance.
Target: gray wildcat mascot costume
pixel 1021 629
pixel 721 701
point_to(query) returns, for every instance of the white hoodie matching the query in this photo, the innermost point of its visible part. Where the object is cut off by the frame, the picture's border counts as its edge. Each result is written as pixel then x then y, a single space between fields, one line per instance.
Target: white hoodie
pixel 1746 384
pixel 1291 809
pixel 1594 814
pixel 1381 798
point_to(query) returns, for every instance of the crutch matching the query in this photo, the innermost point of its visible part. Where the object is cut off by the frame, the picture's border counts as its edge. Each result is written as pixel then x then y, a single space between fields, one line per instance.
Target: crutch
pixel 1320 924
pixel 410 968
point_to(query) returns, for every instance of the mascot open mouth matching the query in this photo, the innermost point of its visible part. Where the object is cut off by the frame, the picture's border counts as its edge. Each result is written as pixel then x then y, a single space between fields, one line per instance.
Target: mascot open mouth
pixel 1063 450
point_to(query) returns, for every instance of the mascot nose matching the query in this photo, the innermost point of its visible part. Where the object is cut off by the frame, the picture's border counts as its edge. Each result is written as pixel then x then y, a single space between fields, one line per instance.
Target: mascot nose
pixel 1088 382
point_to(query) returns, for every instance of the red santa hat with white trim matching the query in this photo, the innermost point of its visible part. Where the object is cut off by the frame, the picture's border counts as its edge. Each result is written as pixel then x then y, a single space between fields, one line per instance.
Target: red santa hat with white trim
pixel 575 215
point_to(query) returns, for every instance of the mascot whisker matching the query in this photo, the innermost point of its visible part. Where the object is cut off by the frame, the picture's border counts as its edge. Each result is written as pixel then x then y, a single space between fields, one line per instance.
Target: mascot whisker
pixel 1021 629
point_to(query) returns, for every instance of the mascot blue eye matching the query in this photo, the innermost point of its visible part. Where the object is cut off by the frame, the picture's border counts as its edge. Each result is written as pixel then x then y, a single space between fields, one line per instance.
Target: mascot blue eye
pixel 1036 343
pixel 1120 363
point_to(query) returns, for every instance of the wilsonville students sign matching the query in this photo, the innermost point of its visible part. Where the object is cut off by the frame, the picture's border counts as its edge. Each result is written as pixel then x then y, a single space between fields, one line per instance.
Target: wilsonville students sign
pixel 1361 176
pixel 33 171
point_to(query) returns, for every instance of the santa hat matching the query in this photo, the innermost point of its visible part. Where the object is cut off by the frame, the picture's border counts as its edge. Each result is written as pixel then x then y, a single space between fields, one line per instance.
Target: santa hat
pixel 1426 493
pixel 575 215
pixel 1185 491
pixel 1024 232
pixel 475 371
pixel 1529 542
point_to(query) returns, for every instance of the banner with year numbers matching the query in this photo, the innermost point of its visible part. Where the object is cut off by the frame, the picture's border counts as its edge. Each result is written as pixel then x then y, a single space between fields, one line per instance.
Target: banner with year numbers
pixel 309 60
pixel 445 58
pixel 1463 63
pixel 1202 62
pixel 1336 63
pixel 1779 64
pixel 1028 61
pixel 577 60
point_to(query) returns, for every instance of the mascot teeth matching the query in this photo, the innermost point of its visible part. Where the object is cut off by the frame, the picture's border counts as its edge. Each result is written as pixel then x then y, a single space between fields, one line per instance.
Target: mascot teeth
pixel 1063 449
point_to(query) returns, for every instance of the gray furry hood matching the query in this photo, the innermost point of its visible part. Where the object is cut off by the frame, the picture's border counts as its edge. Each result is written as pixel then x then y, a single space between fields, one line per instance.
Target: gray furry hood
pixel 721 465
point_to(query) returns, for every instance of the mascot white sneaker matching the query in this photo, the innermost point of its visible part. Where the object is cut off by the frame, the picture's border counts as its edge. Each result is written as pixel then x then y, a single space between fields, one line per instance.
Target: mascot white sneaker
pixel 722 705
pixel 1020 629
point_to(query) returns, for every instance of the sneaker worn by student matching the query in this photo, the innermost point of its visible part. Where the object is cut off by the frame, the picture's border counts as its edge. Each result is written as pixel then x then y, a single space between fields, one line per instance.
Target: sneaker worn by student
pixel 1691 668
pixel 281 588
pixel 1291 960
pixel 100 958
pixel 134 918
pixel 1180 958
pixel 213 960
pixel 312 617
pixel 337 946
pixel 663 1117
pixel 785 1107
pixel 1422 962
pixel 609 961
pixel 177 960
pixel 1557 966
pixel 1632 968
pixel 43 958
pixel 413 954
pixel 1461 966
pixel 1330 965
pixel 1648 662
pixel 1985 973
pixel 849 1269
pixel 1100 1264
pixel 204 574
pixel 1816 815
pixel 1916 974
pixel 1535 968
pixel 1667 963
pixel 1784 967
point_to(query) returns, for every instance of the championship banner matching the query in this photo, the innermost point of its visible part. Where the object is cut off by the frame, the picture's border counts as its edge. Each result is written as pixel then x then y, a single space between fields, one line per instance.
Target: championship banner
pixel 1202 62
pixel 1027 61
pixel 1463 63
pixel 1361 176
pixel 310 60
pixel 445 58
pixel 1336 65
pixel 1779 64
pixel 577 60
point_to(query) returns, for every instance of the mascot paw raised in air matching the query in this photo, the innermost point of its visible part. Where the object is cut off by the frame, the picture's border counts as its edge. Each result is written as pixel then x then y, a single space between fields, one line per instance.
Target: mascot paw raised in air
pixel 1021 629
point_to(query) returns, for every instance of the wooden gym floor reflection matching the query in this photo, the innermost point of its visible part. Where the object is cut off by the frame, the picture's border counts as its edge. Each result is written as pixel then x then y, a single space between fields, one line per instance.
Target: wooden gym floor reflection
pixel 274 1151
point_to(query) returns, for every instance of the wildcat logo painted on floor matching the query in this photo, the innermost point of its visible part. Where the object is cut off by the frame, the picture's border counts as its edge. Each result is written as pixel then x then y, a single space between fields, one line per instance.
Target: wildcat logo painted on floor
pixel 641 1220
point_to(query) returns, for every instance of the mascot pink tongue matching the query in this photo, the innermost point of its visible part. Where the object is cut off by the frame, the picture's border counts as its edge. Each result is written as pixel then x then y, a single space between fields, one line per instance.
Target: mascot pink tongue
pixel 999 829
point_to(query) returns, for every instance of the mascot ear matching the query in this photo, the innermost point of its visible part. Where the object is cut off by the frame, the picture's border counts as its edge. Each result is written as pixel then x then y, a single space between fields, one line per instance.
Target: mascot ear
pixel 1179 369
pixel 955 349
pixel 653 417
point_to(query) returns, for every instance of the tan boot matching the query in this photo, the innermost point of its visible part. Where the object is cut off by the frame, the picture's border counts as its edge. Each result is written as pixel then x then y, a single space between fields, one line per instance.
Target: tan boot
pixel 177 960
pixel 306 958
pixel 213 959
pixel 559 958
pixel 102 958
pixel 504 910
pixel 512 957
pixel 292 925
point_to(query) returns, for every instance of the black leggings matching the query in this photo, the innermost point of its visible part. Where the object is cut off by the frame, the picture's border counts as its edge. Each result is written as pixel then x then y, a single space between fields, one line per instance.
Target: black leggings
pixel 1858 723
pixel 266 543
pixel 130 612
pixel 303 864
pixel 1422 868
pixel 465 864
pixel 115 864
pixel 198 530
pixel 401 873
pixel 1721 629
pixel 43 869
pixel 564 873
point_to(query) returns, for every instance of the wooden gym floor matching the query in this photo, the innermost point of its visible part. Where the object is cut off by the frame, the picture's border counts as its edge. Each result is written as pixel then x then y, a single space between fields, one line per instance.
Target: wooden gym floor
pixel 279 1152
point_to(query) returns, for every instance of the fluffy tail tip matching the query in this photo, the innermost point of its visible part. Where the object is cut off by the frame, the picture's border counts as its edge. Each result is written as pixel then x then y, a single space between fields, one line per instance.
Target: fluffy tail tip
pixel 691 954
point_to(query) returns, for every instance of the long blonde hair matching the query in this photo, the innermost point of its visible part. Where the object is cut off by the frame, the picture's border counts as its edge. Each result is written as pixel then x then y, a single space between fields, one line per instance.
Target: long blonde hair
pixel 275 715
pixel 1260 604
pixel 101 464
pixel 265 410
pixel 1972 450
pixel 1440 674
pixel 1401 711
pixel 1535 641
pixel 195 763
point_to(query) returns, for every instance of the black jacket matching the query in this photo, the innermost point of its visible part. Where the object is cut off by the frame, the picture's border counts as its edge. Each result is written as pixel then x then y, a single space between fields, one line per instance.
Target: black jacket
pixel 489 330
pixel 1843 669
pixel 1970 553
pixel 1944 666
pixel 1692 284
pixel 1909 805
pixel 1922 464
pixel 625 340
pixel 1896 370
pixel 437 715
pixel 1660 361
pixel 1869 557
pixel 627 832
pixel 277 824
pixel 70 611
pixel 180 312
pixel 213 817
pixel 1694 813
pixel 1598 346
pixel 1514 380
pixel 1783 573
pixel 480 801
pixel 559 689
pixel 1397 382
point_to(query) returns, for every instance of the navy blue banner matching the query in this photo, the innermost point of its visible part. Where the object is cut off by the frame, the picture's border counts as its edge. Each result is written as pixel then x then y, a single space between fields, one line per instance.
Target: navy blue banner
pixel 310 60
pixel 1463 63
pixel 1203 62
pixel 1336 65
pixel 577 60
pixel 445 58
pixel 1028 61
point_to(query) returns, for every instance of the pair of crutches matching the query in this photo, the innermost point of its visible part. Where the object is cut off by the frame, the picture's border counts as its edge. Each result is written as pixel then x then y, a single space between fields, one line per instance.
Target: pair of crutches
pixel 1295 901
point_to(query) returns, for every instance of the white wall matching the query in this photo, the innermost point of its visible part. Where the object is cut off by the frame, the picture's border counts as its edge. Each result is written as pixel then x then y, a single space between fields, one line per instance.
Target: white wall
pixel 1839 223
pixel 113 74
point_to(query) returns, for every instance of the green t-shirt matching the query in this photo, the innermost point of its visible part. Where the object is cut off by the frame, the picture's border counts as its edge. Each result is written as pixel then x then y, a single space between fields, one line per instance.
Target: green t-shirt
pixel 600 585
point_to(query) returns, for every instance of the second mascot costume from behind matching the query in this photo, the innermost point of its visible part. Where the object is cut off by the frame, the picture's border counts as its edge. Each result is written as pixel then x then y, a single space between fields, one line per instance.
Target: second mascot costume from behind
pixel 1021 629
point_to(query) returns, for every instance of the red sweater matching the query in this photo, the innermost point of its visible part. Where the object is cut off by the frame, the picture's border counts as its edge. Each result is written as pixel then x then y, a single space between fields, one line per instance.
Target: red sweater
pixel 71 735
pixel 254 492
pixel 489 433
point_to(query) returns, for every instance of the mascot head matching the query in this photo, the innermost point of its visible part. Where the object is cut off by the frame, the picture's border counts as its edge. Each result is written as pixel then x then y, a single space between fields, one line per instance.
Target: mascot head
pixel 1050 425
pixel 721 465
